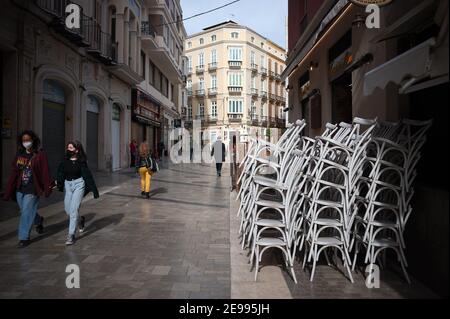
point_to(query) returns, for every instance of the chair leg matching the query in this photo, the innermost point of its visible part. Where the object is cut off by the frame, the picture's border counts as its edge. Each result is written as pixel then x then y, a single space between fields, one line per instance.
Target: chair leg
pixel 257 262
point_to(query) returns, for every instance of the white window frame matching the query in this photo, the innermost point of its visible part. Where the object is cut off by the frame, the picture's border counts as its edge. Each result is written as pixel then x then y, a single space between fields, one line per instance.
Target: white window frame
pixel 214 109
pixel 201 83
pixel 235 79
pixel 201 109
pixel 235 106
pixel 201 59
pixel 214 81
pixel 235 53
pixel 213 56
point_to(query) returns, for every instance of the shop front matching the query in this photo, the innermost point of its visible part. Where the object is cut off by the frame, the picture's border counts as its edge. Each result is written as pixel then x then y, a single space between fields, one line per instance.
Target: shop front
pixel 146 119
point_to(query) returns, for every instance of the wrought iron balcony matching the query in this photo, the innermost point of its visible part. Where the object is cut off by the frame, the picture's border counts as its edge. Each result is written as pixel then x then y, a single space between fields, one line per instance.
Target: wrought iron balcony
pixel 264 95
pixel 200 93
pixel 235 64
pixel 263 71
pixel 147 30
pixel 200 69
pixel 234 118
pixel 263 120
pixel 212 91
pixel 254 92
pixel 212 66
pixel 234 89
pixel 254 67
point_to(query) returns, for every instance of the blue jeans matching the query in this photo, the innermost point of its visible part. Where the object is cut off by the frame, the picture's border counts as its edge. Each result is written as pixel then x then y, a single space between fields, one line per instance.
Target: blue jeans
pixel 28 204
pixel 72 201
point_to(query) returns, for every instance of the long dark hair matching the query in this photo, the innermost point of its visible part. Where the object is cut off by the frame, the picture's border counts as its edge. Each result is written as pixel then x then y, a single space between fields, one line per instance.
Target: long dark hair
pixel 81 155
pixel 36 141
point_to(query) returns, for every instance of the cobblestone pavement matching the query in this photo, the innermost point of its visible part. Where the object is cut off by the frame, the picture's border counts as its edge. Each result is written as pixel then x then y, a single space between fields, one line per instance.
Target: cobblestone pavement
pixel 175 245
pixel 182 243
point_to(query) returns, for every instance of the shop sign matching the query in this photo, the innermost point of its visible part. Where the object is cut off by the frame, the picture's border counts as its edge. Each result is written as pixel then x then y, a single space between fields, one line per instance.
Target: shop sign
pixel 379 3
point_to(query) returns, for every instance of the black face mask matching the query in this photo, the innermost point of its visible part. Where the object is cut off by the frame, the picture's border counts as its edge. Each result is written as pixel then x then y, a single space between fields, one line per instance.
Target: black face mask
pixel 70 154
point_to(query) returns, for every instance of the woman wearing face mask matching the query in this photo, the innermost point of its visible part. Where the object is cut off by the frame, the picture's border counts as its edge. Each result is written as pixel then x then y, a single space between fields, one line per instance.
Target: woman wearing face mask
pixel 30 179
pixel 76 179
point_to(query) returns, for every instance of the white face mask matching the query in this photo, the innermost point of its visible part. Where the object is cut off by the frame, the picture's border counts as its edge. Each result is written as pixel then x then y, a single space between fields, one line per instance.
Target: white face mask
pixel 27 145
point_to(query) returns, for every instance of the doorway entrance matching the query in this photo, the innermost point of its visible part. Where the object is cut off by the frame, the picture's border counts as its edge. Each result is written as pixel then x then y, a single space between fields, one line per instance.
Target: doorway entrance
pixel 342 99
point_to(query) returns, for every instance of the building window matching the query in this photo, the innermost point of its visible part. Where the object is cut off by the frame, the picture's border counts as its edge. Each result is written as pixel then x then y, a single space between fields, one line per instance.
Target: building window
pixel 202 41
pixel 235 106
pixel 214 108
pixel 253 58
pixel 263 85
pixel 262 45
pixel 214 56
pixel 189 45
pixel 253 109
pixel 263 61
pixel 172 92
pixel 189 111
pixel 143 65
pixel 234 35
pixel 151 75
pixel 201 60
pixel 213 38
pixel 235 53
pixel 189 63
pixel 252 39
pixel 253 82
pixel 201 110
pixel 235 79
pixel 214 81
pixel 201 84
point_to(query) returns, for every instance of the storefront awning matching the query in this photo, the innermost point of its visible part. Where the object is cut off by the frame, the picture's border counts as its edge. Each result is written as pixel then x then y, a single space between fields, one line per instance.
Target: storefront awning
pixel 411 66
pixel 315 37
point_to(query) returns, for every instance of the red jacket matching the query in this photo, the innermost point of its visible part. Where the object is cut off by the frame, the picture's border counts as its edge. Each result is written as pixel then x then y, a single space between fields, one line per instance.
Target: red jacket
pixel 41 177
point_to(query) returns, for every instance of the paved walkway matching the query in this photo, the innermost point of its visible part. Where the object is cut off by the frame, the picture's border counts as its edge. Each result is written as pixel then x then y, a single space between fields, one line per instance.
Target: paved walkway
pixel 182 243
pixel 175 245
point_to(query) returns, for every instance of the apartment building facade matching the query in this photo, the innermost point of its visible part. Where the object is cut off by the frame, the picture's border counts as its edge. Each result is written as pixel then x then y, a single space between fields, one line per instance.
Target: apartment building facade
pixel 338 68
pixel 233 85
pixel 157 101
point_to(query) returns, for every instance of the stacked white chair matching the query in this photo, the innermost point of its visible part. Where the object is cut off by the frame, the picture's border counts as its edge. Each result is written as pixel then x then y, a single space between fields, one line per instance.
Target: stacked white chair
pixel 329 207
pixel 264 176
pixel 385 191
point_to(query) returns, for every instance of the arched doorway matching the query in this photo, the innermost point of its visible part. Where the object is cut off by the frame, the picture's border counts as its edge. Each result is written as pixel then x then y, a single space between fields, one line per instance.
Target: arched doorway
pixel 53 123
pixel 115 136
pixel 92 131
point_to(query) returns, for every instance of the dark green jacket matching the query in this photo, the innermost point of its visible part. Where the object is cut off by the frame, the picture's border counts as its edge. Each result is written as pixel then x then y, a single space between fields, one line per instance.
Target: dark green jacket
pixel 85 174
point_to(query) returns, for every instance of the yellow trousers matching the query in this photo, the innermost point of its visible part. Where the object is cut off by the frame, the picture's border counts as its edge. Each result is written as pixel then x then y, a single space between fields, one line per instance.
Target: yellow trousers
pixel 146 176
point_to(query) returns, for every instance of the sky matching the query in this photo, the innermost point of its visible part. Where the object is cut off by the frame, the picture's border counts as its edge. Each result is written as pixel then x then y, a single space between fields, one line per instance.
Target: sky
pixel 267 17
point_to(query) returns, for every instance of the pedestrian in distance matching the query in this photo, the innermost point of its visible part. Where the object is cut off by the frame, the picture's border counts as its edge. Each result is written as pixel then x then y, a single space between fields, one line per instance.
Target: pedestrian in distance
pixel 218 151
pixel 75 179
pixel 29 180
pixel 133 151
pixel 146 166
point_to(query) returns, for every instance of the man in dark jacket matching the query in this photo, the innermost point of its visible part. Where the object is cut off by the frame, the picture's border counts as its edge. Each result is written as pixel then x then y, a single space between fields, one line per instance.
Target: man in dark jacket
pixel 218 151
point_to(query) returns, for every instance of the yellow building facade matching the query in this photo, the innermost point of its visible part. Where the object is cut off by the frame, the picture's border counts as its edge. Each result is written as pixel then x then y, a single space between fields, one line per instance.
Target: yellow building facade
pixel 234 85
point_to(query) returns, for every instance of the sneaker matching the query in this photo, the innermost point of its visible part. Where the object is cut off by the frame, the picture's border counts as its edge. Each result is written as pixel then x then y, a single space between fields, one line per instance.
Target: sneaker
pixel 81 224
pixel 142 193
pixel 23 243
pixel 70 240
pixel 147 195
pixel 40 227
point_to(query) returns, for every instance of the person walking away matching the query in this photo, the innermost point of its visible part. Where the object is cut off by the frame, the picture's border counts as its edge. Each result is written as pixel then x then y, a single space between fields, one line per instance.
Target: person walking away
pixel 218 151
pixel 133 150
pixel 161 149
pixel 146 165
pixel 29 180
pixel 75 178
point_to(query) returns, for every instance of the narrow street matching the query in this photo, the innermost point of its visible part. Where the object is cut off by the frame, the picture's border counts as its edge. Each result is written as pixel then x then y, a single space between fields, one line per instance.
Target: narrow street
pixel 175 245
pixel 182 243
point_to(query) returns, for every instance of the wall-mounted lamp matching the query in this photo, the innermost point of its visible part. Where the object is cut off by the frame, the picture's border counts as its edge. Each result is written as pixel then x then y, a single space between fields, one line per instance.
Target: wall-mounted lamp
pixel 359 21
pixel 313 65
